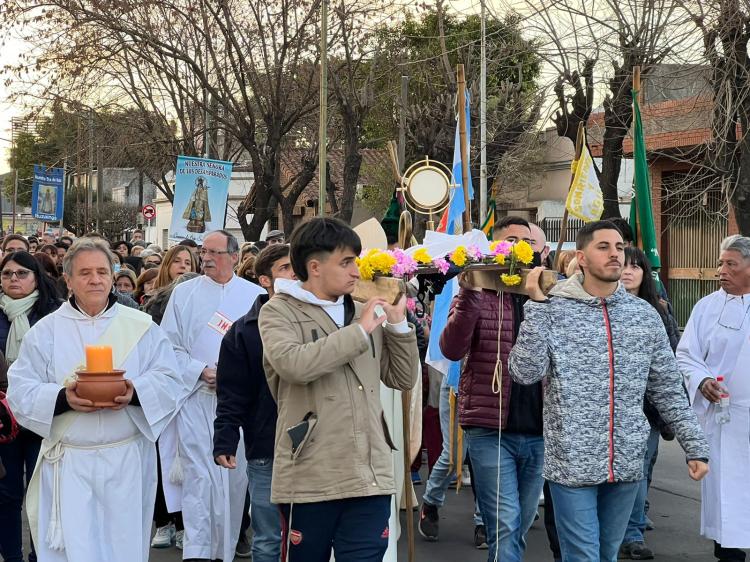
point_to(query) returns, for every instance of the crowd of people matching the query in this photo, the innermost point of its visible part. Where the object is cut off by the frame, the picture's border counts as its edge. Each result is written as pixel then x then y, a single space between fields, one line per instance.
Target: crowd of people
pixel 254 399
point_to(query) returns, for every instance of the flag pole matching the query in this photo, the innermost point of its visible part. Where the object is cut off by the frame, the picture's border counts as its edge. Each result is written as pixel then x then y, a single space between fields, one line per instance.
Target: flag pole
pixel 461 109
pixel 564 223
pixel 637 225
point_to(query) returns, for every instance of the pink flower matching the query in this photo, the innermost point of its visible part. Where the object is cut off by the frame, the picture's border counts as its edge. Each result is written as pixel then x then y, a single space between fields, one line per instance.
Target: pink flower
pixel 442 265
pixel 501 247
pixel 474 252
pixel 405 264
pixel 411 304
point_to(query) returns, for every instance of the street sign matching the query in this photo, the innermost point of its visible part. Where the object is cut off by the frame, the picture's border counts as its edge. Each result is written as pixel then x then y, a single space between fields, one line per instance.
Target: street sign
pixel 149 212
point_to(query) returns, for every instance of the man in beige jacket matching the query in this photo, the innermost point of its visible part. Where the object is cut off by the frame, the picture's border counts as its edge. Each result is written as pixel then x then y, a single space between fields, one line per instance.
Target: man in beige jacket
pixel 324 358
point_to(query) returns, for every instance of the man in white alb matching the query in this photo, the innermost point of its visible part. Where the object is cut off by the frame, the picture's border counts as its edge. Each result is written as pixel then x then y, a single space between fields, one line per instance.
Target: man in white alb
pixel 199 313
pixel 92 494
pixel 716 343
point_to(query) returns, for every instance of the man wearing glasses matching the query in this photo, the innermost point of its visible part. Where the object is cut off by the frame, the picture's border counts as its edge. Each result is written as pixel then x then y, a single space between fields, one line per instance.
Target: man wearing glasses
pixel 716 343
pixel 199 313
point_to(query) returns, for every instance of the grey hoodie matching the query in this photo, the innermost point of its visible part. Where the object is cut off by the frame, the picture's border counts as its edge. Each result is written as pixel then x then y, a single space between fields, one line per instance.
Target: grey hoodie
pixel 601 356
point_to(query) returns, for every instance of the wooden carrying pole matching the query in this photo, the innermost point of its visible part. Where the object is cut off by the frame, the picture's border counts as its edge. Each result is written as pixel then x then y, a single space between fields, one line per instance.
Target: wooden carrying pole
pixel 404 240
pixel 564 224
pixel 461 109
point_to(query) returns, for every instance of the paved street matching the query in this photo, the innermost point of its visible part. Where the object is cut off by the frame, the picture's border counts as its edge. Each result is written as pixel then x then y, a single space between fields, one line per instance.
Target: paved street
pixel 675 509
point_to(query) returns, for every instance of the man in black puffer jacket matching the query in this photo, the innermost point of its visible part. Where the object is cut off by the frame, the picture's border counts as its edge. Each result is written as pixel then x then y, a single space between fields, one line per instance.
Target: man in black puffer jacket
pixel 244 400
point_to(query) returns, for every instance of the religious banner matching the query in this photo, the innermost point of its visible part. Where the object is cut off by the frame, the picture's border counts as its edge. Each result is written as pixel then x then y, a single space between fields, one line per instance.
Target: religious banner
pixel 585 199
pixel 201 189
pixel 47 193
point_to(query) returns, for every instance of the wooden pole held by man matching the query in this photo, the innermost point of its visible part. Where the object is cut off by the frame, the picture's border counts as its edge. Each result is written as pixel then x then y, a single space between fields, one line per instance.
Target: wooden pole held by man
pixel 564 223
pixel 461 109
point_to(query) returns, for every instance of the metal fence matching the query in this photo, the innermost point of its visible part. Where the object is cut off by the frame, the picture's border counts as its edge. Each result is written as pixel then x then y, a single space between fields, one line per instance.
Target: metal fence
pixel 552 226
pixel 694 221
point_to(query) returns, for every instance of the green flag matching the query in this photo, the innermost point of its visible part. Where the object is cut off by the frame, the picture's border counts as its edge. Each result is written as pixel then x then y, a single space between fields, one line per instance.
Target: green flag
pixel 643 228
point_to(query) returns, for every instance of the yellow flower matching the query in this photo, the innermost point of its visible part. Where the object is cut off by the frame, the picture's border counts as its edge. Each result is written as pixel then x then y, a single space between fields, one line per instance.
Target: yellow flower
pixel 421 256
pixel 459 257
pixel 500 259
pixel 510 280
pixel 382 262
pixel 375 261
pixel 523 252
pixel 365 269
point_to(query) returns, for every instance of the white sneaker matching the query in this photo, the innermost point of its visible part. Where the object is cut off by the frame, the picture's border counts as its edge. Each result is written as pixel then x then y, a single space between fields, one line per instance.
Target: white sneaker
pixel 163 537
pixel 179 537
pixel 465 476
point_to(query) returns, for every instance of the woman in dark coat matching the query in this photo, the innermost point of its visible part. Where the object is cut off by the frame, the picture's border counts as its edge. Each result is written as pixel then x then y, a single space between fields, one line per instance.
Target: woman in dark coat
pixel 28 295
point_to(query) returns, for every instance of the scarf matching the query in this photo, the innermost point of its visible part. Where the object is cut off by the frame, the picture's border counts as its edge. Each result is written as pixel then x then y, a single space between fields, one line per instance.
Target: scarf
pixel 17 311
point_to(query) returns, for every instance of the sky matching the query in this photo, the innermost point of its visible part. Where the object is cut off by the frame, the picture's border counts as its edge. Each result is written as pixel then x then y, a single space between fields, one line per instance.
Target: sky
pixel 10 51
pixel 13 47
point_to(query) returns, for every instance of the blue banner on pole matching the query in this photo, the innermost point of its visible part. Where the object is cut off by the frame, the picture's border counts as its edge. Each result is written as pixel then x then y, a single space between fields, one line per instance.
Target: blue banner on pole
pixel 47 193
pixel 200 197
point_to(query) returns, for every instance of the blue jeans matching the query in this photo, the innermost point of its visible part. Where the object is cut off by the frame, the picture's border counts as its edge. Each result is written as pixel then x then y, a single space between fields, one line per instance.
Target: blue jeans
pixel 440 477
pixel 265 517
pixel 519 459
pixel 19 458
pixel 591 520
pixel 637 523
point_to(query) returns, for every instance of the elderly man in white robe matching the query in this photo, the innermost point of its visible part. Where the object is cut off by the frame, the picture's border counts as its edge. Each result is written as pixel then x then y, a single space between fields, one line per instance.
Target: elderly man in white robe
pixel 199 313
pixel 92 494
pixel 716 343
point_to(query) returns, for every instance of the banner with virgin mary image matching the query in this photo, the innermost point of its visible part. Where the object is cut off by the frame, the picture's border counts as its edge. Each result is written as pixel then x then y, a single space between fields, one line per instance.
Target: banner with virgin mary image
pixel 200 197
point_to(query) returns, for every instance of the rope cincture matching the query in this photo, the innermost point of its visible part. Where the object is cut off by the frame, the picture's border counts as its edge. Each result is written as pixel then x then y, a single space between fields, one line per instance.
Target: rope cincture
pixel 54 456
pixel 497 388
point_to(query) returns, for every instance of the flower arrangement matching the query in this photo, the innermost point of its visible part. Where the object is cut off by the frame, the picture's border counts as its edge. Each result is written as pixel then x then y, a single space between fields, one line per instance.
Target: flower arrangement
pixel 397 263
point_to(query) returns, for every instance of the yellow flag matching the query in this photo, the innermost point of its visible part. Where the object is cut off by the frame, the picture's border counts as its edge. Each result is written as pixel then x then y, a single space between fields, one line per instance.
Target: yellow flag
pixel 585 199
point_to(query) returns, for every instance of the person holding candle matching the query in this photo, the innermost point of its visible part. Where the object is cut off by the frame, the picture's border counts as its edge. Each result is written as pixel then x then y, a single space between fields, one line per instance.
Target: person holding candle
pixel 95 481
pixel 28 295
pixel 199 313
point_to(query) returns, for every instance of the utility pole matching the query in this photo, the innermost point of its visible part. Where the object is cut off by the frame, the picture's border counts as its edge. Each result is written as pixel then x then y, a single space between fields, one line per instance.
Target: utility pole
pixel 99 187
pixel 402 123
pixel 483 120
pixel 206 117
pixel 323 126
pixel 77 183
pixel 90 177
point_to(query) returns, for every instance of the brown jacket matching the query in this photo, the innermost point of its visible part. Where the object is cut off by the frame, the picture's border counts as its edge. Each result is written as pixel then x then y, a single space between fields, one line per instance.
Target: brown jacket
pixel 313 366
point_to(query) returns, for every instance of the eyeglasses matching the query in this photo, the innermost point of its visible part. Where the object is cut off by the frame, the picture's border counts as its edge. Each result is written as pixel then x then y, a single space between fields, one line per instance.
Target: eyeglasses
pixel 733 318
pixel 20 274
pixel 204 251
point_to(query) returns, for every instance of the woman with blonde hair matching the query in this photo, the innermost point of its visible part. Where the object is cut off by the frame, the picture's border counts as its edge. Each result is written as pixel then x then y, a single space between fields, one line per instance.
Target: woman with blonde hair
pixel 246 269
pixel 178 260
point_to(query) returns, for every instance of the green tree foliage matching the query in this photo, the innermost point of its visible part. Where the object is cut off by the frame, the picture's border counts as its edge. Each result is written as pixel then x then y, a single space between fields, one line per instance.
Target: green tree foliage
pixel 414 48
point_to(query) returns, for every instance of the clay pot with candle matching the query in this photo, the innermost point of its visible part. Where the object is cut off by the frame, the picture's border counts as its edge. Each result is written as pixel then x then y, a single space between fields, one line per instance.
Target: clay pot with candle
pixel 100 382
pixel 101 387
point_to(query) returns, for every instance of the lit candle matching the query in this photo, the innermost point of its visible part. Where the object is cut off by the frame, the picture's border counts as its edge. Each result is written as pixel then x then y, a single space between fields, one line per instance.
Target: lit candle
pixel 99 358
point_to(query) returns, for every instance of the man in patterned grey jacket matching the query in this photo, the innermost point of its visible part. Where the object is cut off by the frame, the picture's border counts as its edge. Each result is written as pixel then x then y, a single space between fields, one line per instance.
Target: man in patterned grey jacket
pixel 602 350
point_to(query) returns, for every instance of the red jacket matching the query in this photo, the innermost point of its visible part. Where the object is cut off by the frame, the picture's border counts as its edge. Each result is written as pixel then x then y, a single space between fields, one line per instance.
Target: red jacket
pixel 471 332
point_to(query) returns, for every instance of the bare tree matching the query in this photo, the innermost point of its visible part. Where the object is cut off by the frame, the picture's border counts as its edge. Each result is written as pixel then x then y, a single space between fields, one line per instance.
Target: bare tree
pixel 725 29
pixel 245 69
pixel 586 42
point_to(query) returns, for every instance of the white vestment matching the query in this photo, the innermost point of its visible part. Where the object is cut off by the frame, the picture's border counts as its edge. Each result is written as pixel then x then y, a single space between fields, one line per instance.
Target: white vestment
pixel 716 343
pixel 199 313
pixel 99 480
